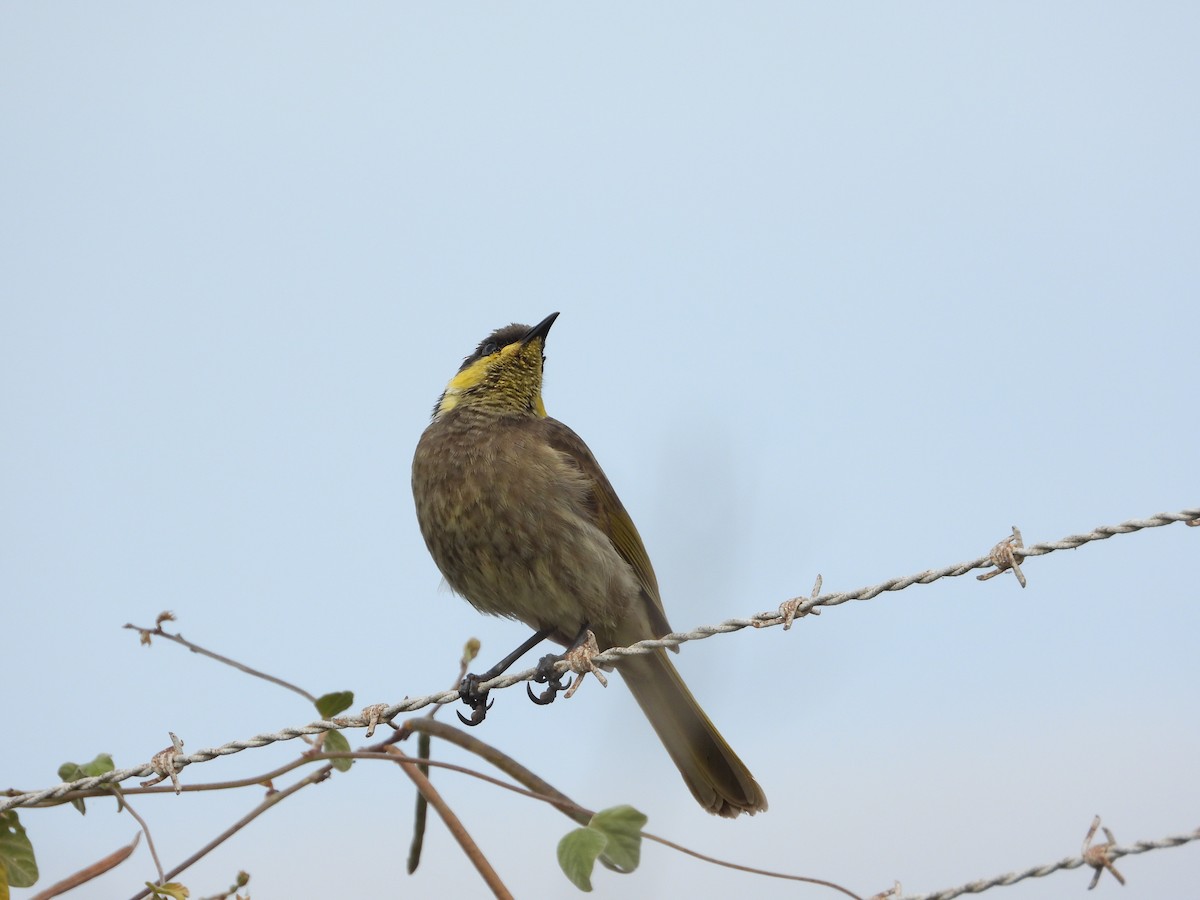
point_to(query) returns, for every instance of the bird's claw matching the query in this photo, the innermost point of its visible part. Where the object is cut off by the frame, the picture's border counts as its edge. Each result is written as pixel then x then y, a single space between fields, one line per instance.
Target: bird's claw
pixel 470 694
pixel 549 676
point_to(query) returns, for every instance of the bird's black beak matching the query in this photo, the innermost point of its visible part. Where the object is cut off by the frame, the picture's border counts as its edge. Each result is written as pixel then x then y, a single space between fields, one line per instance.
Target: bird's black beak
pixel 540 330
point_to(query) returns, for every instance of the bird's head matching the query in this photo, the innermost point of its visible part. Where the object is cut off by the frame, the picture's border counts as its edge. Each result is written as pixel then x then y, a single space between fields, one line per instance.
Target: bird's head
pixel 503 375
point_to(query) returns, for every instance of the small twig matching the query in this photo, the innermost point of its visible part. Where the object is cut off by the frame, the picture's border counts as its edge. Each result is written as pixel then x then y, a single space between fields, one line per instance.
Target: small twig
pixel 87 874
pixel 242 879
pixel 157 631
pixel 421 811
pixel 252 781
pixel 470 652
pixel 753 871
pixel 420 814
pixel 469 847
pixel 123 803
pixel 536 786
pixel 271 800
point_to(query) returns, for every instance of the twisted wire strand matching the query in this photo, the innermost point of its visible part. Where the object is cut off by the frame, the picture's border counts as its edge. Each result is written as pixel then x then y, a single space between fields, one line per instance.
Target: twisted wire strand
pixel 1070 862
pixel 761 620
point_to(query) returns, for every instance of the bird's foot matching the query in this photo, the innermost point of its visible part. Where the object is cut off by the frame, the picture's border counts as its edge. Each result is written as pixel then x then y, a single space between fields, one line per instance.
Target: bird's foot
pixel 549 676
pixel 470 694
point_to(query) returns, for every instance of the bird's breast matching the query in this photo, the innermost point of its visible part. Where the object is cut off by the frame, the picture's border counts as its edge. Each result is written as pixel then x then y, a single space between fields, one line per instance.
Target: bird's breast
pixel 506 520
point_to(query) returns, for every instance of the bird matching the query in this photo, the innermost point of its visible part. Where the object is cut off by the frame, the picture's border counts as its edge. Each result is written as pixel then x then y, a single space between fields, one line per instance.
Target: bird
pixel 523 523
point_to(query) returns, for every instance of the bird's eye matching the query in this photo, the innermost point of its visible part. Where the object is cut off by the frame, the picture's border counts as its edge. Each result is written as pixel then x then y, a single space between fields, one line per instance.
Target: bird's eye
pixel 490 347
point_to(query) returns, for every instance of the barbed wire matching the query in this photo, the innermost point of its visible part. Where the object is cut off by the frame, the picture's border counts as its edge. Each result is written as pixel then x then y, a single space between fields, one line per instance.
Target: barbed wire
pixel 1111 852
pixel 796 607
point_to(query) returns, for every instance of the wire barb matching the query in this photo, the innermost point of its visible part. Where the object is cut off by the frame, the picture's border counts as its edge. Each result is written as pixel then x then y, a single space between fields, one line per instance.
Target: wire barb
pixel 1096 855
pixel 163 764
pixel 580 660
pixel 373 715
pixel 1004 557
pixel 790 609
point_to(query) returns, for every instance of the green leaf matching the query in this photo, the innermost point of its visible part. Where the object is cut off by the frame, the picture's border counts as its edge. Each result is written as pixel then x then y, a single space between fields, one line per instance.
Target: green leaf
pixel 622 825
pixel 16 852
pixel 577 853
pixel 4 892
pixel 336 742
pixel 70 771
pixel 329 705
pixel 73 772
pixel 172 889
pixel 101 765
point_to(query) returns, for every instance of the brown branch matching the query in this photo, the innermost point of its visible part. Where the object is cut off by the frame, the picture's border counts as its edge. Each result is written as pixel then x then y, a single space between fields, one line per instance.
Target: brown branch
pixel 271 800
pixel 253 781
pixel 123 803
pixel 420 813
pixel 536 786
pixel 87 874
pixel 157 631
pixel 740 868
pixel 456 828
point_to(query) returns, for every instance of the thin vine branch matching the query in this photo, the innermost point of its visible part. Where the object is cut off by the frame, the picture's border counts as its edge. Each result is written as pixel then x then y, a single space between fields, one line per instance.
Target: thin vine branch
pixel 272 799
pixel 452 822
pixel 87 873
pixel 157 631
pixel 124 804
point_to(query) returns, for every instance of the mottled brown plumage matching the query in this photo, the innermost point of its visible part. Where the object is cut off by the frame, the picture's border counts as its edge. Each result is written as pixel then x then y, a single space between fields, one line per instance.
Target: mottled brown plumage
pixel 522 522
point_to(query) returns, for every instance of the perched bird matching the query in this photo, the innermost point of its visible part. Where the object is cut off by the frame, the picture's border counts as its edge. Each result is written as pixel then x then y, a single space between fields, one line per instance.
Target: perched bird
pixel 523 523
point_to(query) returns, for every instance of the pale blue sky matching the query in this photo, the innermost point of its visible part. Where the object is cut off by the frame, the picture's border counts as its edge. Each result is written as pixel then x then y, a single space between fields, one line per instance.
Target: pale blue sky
pixel 845 288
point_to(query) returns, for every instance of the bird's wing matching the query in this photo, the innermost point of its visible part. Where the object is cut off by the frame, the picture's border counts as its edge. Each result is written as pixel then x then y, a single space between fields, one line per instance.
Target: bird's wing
pixel 608 514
